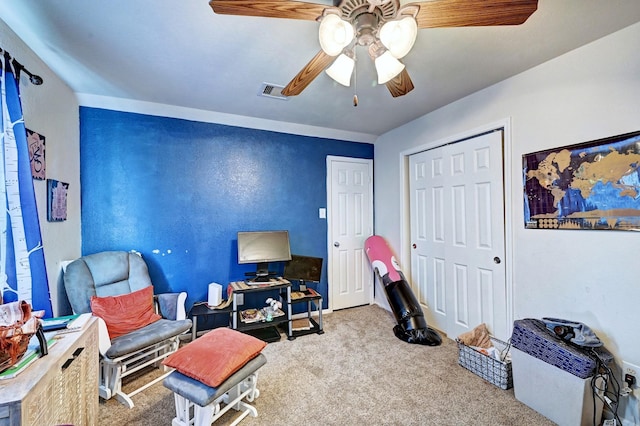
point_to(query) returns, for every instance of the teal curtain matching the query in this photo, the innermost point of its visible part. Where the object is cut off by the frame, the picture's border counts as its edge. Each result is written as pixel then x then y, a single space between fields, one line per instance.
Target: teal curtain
pixel 23 275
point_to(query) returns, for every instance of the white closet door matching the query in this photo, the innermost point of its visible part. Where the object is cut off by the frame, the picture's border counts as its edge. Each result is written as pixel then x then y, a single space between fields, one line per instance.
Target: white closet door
pixel 457 235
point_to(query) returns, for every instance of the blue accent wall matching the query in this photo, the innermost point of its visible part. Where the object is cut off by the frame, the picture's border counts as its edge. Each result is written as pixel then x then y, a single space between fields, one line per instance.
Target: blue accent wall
pixel 178 191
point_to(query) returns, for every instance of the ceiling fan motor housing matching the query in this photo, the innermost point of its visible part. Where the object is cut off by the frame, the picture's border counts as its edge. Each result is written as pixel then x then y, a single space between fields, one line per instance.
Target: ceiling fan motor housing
pixel 385 9
pixel 366 26
pixel 368 16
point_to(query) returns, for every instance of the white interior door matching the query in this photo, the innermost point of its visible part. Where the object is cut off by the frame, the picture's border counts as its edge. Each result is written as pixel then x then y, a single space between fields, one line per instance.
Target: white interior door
pixel 350 223
pixel 457 235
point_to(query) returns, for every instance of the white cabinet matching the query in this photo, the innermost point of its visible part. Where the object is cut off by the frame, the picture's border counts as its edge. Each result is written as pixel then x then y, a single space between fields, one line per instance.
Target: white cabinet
pixel 60 388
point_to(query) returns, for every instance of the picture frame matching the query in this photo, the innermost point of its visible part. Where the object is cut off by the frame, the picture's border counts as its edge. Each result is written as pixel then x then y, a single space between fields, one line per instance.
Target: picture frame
pixel 57 200
pixel 593 185
pixel 37 144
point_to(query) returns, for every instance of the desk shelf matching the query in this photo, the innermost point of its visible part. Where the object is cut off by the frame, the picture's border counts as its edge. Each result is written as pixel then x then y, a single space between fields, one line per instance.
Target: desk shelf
pixel 241 325
pixel 264 330
pixel 313 300
pixel 202 309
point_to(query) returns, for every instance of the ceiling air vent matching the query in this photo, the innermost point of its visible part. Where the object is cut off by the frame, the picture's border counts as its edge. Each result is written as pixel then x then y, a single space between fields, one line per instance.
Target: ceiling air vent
pixel 272 91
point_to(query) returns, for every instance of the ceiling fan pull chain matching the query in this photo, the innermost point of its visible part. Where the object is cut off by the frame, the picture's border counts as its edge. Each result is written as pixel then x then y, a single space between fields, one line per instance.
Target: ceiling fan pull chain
pixel 355 78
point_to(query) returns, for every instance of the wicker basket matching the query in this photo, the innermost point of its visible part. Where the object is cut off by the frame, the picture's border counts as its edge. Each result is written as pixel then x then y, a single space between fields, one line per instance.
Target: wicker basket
pixel 490 369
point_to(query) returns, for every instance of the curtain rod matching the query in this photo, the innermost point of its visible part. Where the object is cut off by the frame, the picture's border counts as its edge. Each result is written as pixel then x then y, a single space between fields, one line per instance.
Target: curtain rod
pixel 18 67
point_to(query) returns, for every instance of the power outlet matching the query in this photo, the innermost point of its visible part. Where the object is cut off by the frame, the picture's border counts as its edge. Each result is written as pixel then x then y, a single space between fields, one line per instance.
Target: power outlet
pixel 628 368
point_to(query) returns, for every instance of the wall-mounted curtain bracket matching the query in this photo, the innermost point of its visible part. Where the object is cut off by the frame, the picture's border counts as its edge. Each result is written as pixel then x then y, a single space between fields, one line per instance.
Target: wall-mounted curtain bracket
pixel 18 67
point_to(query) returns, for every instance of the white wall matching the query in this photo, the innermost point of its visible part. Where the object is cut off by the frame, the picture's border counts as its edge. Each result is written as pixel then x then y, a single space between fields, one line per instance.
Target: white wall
pixel 590 93
pixel 51 109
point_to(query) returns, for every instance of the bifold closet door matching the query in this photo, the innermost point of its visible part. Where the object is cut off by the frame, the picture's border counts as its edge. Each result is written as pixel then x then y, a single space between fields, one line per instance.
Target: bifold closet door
pixel 457 234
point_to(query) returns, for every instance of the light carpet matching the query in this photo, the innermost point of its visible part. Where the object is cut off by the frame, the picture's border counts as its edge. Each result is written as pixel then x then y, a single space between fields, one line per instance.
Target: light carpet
pixel 356 373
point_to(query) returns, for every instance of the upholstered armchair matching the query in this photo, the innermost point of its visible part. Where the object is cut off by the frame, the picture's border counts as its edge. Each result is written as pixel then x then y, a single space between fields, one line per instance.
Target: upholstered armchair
pixel 137 329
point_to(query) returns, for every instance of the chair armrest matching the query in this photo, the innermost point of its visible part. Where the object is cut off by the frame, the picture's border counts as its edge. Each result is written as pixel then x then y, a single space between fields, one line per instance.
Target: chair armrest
pixel 104 341
pixel 181 310
pixel 171 305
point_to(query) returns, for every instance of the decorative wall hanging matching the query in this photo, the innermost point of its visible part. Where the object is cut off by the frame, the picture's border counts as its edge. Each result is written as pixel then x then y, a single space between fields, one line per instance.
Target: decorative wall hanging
pixel 23 272
pixel 592 185
pixel 56 200
pixel 36 144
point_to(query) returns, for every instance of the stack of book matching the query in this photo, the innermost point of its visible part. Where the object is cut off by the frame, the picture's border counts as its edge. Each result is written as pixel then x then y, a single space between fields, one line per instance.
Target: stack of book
pixel 300 324
pixel 67 324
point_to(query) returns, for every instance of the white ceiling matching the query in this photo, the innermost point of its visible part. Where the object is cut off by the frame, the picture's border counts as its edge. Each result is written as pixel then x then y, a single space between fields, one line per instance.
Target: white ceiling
pixel 181 53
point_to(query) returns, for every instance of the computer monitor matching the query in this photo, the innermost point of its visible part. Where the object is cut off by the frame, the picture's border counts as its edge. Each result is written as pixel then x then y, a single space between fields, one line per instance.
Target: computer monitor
pixel 261 248
pixel 303 268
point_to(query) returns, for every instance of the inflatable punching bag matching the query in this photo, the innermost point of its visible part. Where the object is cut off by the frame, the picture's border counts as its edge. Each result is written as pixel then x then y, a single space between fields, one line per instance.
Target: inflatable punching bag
pixel 412 326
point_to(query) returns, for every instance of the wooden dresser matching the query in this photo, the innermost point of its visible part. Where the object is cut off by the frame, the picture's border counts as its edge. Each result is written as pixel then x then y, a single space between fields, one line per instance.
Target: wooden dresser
pixel 60 388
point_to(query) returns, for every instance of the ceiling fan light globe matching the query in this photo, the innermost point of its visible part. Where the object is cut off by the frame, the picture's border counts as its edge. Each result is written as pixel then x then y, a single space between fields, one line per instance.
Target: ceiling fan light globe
pixel 387 67
pixel 399 36
pixel 334 34
pixel 342 69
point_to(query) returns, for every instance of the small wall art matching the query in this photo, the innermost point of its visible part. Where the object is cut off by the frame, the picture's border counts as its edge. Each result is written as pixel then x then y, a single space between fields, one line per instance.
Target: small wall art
pixel 56 200
pixel 36 143
pixel 592 185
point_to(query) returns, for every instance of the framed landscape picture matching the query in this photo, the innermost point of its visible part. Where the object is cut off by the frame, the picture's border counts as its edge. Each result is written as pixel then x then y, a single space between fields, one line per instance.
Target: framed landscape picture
pixel 592 185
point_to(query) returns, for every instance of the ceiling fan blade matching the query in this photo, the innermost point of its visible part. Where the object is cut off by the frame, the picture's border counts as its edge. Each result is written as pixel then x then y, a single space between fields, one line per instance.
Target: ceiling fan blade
pixel 269 8
pixel 469 13
pixel 307 74
pixel 400 85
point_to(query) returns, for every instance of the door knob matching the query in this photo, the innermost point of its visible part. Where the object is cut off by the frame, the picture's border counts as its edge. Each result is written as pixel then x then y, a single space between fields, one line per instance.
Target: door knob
pixel 496 260
pixel 336 244
pixel 414 245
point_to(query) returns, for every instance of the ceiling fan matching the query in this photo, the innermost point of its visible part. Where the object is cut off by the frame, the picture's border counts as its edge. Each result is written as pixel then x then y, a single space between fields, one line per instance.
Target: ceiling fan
pixel 385 27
